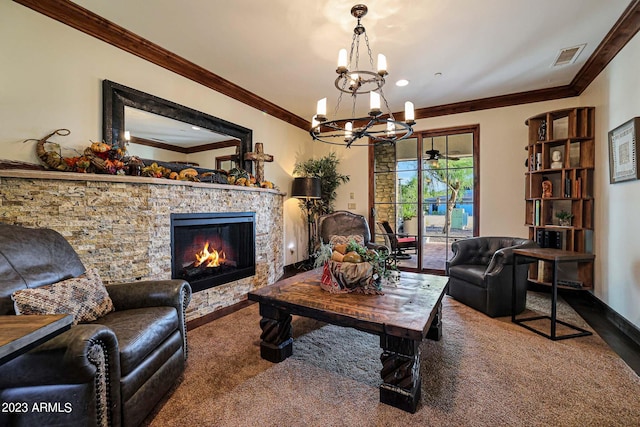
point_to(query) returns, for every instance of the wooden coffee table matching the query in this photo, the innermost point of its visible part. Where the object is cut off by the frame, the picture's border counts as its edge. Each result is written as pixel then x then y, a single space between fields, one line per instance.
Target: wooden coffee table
pixel 402 317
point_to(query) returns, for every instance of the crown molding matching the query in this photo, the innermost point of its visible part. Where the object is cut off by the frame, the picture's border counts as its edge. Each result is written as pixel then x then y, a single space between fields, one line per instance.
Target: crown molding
pixel 620 34
pixel 94 25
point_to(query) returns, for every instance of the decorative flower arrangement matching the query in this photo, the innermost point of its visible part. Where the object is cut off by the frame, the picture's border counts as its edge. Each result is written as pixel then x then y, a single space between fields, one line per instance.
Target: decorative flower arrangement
pixel 351 267
pixel 100 157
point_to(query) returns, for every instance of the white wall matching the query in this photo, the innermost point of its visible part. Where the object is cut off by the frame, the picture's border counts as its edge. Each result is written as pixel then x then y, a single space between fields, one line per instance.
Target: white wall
pixel 616 95
pixel 51 78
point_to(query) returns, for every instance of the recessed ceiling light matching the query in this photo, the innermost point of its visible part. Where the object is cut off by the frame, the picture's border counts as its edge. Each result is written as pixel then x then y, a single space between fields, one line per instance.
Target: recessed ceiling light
pixel 438 74
pixel 195 128
pixel 402 82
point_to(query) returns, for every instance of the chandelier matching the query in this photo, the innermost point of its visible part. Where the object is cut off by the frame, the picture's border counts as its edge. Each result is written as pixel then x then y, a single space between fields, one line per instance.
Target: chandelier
pixel 375 128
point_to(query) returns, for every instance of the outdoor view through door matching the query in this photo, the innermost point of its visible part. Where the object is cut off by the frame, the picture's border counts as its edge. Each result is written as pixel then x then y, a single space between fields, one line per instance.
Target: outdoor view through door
pixel 425 195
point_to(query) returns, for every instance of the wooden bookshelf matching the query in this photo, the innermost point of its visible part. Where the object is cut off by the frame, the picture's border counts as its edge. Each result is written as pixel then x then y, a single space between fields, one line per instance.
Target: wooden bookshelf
pixel 560 177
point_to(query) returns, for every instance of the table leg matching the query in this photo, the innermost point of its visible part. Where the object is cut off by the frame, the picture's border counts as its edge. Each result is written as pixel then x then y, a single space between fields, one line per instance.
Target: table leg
pixel 514 277
pixel 400 372
pixel 435 330
pixel 554 299
pixel 276 344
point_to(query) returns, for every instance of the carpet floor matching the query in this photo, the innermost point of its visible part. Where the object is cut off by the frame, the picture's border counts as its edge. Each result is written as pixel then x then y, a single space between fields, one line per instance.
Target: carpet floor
pixel 484 372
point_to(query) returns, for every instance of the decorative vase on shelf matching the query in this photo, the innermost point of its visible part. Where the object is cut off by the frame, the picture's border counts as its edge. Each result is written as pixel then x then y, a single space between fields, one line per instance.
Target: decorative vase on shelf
pixel 542 131
pixel 547 188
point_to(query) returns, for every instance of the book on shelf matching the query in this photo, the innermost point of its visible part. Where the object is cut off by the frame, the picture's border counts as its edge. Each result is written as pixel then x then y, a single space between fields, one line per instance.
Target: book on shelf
pixel 577 188
pixel 538 161
pixel 567 187
pixel 555 239
pixel 545 271
pixel 536 213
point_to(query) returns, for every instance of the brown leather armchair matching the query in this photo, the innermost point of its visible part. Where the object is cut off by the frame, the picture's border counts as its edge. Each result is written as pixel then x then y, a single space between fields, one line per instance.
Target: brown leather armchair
pixel 345 223
pixel 112 371
pixel 481 274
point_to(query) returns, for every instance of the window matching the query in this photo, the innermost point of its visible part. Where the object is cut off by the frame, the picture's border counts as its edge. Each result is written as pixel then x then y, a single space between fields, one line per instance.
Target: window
pixel 426 188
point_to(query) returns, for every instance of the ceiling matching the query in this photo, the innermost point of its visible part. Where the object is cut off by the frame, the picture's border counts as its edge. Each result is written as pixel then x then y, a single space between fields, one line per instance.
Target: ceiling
pixel 451 51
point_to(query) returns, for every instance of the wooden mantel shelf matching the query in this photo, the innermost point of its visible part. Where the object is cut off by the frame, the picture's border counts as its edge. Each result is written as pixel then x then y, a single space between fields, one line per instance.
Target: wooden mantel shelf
pixel 74 176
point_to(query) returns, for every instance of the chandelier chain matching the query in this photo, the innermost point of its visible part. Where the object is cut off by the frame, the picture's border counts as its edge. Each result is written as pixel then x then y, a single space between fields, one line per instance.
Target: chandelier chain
pixel 335 111
pixel 355 40
pixel 386 103
pixel 366 40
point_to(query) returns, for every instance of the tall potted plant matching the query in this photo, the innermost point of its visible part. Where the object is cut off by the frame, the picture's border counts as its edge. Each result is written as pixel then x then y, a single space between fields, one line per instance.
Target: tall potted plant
pixel 325 168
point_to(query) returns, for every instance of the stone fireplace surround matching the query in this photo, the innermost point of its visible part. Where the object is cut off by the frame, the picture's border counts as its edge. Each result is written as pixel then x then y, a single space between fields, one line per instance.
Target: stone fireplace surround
pixel 121 224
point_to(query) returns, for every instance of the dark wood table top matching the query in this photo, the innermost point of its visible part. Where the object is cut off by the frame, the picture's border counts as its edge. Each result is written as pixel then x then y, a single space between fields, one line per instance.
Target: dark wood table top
pixel 404 311
pixel 19 334
pixel 549 254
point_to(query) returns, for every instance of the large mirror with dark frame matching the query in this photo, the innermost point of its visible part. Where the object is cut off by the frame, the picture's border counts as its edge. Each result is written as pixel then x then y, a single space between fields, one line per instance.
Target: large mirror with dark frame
pixel 154 122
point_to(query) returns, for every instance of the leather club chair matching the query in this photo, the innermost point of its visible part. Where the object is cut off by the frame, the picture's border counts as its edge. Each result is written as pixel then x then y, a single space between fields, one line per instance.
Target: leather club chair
pixel 481 274
pixel 345 223
pixel 112 371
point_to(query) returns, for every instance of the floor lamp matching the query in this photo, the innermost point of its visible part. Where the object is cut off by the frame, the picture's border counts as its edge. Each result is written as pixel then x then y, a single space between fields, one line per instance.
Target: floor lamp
pixel 307 189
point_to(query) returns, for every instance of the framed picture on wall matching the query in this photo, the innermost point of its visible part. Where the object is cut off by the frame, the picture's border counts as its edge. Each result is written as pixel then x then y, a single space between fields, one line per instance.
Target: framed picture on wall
pixel 623 153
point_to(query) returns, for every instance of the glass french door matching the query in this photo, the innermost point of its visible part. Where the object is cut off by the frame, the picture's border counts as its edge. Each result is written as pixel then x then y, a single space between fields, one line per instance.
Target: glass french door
pixel 426 188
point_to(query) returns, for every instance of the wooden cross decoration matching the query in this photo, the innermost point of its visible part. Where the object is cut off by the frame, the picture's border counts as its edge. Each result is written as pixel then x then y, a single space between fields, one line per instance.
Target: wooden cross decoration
pixel 259 157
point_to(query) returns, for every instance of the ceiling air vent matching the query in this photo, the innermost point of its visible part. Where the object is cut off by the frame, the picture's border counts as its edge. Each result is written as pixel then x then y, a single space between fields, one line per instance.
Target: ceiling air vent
pixel 568 55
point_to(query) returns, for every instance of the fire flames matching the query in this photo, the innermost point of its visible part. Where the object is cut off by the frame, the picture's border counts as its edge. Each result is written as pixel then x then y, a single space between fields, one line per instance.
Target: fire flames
pixel 209 259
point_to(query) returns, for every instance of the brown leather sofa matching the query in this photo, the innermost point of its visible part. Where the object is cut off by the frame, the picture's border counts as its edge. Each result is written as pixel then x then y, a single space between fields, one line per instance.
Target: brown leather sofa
pixel 481 274
pixel 112 371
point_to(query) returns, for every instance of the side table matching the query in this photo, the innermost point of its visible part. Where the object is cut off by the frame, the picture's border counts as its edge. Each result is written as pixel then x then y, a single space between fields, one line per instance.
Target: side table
pixel 19 334
pixel 555 257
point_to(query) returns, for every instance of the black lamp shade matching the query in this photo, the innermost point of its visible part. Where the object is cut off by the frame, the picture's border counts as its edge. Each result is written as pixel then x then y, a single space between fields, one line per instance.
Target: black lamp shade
pixel 306 188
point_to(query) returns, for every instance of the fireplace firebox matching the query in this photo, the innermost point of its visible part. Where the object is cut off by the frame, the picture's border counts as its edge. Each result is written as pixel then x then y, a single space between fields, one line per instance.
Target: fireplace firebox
pixel 209 249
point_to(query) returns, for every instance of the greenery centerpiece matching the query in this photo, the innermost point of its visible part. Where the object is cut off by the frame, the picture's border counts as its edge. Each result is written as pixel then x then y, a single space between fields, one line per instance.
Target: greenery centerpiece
pixel 352 267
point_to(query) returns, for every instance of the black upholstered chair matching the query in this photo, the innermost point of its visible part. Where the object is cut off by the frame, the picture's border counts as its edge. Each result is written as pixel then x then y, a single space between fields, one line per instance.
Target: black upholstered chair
pixel 481 274
pixel 111 371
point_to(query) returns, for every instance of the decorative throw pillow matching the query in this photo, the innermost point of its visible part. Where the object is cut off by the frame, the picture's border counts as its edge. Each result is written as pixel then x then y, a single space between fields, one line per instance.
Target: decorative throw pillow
pixel 85 297
pixel 343 240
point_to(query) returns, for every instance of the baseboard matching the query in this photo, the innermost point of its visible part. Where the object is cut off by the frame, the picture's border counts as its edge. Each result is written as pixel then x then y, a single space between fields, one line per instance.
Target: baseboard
pixel 290 270
pixel 207 318
pixel 623 325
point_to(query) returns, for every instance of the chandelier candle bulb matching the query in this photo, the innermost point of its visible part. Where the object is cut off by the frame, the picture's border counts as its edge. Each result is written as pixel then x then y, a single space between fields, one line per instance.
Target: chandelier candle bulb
pixel 348 128
pixel 342 61
pixel 354 82
pixel 374 104
pixel 391 128
pixel 382 65
pixel 127 136
pixel 321 112
pixel 409 113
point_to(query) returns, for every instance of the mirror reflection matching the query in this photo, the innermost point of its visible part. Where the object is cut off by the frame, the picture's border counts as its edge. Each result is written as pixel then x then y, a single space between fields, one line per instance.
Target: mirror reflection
pixel 162 130
pixel 165 139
